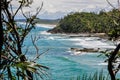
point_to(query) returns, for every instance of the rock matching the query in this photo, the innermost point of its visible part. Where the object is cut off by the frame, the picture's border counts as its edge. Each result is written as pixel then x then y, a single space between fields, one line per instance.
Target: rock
pixel 85 50
pixel 55 30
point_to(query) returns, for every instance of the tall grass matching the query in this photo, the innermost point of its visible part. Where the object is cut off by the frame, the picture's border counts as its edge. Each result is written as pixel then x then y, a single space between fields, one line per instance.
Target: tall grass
pixel 95 76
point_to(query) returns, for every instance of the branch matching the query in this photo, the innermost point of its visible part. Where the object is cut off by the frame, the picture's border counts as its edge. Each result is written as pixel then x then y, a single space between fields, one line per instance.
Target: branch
pixel 33 41
pixel 37 49
pixel 110 4
pixel 21 3
pixel 28 26
pixel 38 55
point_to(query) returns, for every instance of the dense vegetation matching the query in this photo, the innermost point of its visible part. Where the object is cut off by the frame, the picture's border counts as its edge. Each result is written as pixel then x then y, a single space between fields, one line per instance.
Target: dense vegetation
pixel 14 65
pixel 84 22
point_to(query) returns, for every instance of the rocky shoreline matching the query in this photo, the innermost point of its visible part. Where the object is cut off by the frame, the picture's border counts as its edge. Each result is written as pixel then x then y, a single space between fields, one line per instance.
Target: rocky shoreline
pixel 84 34
pixel 101 35
pixel 78 51
pixel 85 49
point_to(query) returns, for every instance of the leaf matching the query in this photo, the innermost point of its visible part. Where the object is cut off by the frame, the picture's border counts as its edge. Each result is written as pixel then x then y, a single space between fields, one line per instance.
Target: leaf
pixel 31 69
pixel 115 22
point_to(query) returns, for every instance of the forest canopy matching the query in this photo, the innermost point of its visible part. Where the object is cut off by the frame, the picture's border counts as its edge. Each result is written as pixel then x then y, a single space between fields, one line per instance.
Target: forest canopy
pixel 84 22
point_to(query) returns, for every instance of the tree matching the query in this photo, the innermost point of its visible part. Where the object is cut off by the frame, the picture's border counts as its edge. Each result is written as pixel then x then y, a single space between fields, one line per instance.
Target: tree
pixel 12 55
pixel 115 54
pixel 1 34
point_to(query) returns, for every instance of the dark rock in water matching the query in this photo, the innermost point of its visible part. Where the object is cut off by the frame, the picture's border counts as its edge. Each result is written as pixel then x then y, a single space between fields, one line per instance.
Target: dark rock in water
pixel 54 30
pixel 85 50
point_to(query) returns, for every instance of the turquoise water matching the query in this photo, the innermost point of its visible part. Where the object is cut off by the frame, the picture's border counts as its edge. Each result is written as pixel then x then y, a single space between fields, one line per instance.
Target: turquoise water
pixel 63 63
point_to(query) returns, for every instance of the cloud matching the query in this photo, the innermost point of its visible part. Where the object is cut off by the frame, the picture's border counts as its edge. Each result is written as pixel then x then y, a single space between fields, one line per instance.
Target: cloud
pixel 66 6
pixel 48 15
pixel 59 8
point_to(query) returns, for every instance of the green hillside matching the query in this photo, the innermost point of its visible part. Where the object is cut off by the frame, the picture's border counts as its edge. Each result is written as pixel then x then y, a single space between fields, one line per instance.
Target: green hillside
pixel 84 22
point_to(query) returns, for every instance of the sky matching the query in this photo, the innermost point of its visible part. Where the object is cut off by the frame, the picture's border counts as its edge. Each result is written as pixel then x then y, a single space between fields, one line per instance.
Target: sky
pixel 55 9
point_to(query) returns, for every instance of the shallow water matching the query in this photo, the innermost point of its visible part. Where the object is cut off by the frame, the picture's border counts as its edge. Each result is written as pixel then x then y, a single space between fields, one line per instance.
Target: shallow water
pixel 63 63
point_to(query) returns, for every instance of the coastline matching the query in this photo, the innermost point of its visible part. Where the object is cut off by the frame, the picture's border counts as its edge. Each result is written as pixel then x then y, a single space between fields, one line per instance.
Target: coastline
pixel 46 25
pixel 51 26
pixel 87 35
pixel 100 35
pixel 42 25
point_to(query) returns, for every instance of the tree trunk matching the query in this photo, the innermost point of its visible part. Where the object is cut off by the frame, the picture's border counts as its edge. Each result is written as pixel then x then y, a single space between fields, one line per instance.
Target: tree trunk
pixel 1 32
pixel 110 61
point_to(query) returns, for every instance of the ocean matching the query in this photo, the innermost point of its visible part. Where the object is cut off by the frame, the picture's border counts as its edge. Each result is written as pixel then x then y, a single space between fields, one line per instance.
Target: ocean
pixel 65 64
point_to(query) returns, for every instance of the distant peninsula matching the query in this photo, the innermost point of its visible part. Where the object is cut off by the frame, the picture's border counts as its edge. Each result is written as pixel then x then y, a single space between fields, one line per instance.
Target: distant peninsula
pixel 84 22
pixel 43 21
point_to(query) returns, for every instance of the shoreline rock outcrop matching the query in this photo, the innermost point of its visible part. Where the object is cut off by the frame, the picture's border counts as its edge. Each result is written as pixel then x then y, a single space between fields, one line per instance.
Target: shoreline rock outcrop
pixel 85 49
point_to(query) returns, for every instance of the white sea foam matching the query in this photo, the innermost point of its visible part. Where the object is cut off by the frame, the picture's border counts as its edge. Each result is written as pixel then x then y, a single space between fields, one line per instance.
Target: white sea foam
pixel 88 39
pixel 103 63
pixel 94 44
pixel 88 42
pixel 76 53
pixel 46 25
pixel 75 39
pixel 81 53
pixel 50 38
pixel 44 32
pixel 69 51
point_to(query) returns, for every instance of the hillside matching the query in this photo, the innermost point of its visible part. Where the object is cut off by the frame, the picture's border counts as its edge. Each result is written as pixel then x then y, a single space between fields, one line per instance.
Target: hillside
pixel 83 22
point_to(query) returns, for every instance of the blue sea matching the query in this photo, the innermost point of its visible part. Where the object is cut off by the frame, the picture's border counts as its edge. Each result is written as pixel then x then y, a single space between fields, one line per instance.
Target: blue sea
pixel 65 64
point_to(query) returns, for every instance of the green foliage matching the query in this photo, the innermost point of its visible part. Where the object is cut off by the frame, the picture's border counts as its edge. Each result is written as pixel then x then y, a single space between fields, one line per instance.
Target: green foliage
pixel 14 65
pixel 84 22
